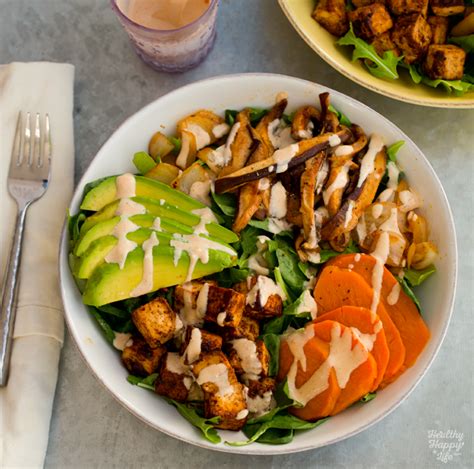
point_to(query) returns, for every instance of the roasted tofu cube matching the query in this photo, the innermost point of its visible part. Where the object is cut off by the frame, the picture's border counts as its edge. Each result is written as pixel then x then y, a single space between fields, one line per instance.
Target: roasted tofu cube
pixel 383 43
pixel 444 61
pixel 412 35
pixel 206 301
pixel 248 328
pixel 260 396
pixel 332 16
pixel 198 341
pixel 447 7
pixel 249 359
pixel 174 379
pixel 156 321
pixel 140 359
pixel 439 29
pixel 364 3
pixel 406 7
pixel 223 394
pixel 370 21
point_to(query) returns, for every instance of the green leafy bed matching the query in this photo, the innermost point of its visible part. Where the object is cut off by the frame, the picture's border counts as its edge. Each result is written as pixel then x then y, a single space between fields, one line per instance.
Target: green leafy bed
pixel 277 426
pixel 387 66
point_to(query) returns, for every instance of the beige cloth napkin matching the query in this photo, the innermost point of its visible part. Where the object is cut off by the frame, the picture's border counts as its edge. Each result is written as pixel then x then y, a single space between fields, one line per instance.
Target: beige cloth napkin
pixel 26 403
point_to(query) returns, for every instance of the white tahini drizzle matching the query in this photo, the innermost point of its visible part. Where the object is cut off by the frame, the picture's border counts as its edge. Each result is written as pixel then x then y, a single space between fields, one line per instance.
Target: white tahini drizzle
pixel 343 150
pixel 348 215
pixel 334 140
pixel 227 154
pixel 308 305
pixel 380 254
pixel 217 374
pixel 279 134
pixel 368 340
pixel 278 199
pixel 125 185
pixel 368 161
pixel 220 130
pixel 394 294
pixel 283 156
pixel 122 340
pixel 201 137
pixel 247 352
pixel 339 182
pixel 146 283
pixel 264 288
pixel 190 314
pixel 193 350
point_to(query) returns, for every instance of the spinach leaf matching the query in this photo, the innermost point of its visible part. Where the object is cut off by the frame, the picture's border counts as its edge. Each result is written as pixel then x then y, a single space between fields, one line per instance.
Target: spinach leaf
pixel 288 265
pixel 327 254
pixel 74 226
pixel 205 425
pixel 230 276
pixel 177 144
pixel 145 383
pixel 288 118
pixel 277 325
pixel 227 203
pixel 466 42
pixel 230 115
pixel 281 283
pixel 104 325
pixel 393 149
pixel 381 67
pixel 256 115
pixel 248 242
pixel 273 436
pixel 114 311
pixel 265 225
pixel 90 185
pixel 409 292
pixel 272 342
pixel 292 309
pixel 143 162
pixel 417 277
pixel 368 397
pixel 343 119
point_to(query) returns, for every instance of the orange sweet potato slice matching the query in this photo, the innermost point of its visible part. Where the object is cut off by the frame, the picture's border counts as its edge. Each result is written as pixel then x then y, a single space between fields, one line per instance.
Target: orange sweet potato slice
pixel 404 313
pixel 361 319
pixel 316 352
pixel 338 287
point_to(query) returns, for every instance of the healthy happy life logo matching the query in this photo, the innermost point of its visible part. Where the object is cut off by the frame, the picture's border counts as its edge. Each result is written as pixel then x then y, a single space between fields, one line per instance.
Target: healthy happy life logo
pixel 446 445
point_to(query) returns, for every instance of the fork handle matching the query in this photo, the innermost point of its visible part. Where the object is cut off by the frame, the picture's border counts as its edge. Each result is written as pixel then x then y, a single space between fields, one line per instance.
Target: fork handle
pixel 9 296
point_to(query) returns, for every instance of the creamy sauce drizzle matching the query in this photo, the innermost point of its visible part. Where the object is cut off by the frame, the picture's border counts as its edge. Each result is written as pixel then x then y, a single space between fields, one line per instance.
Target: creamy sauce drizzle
pixel 227 153
pixel 279 134
pixel 193 350
pixel 283 156
pixel 182 158
pixel 200 191
pixel 339 182
pixel 146 284
pixel 174 364
pixel 191 315
pixel 122 340
pixel 394 294
pixel 368 161
pixel 201 137
pixel 278 199
pixel 343 150
pixel 368 340
pixel 308 305
pixel 247 352
pixel 334 140
pixel 380 254
pixel 220 130
pixel 219 376
pixel 348 216
pixel 221 317
pixel 259 405
pixel 125 186
pixel 264 288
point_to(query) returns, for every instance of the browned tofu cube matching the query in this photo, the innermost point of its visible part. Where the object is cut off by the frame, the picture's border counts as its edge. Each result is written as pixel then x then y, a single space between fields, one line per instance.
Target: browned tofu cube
pixel 206 301
pixel 364 3
pixel 249 359
pixel 383 43
pixel 260 396
pixel 248 328
pixel 412 35
pixel 406 7
pixel 370 21
pixel 198 341
pixel 140 359
pixel 174 379
pixel 447 7
pixel 332 16
pixel 439 29
pixel 156 321
pixel 223 394
pixel 444 61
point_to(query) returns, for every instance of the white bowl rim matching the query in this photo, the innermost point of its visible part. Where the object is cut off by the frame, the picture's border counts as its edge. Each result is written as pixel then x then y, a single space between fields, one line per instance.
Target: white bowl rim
pixel 428 102
pixel 261 450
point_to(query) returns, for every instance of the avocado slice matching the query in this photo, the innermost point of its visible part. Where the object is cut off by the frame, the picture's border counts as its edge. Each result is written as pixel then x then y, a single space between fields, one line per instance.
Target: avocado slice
pixel 154 207
pixel 106 227
pixel 106 192
pixel 109 283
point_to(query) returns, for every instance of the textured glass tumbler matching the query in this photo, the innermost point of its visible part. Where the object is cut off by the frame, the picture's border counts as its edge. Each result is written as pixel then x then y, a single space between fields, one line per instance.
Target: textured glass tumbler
pixel 173 50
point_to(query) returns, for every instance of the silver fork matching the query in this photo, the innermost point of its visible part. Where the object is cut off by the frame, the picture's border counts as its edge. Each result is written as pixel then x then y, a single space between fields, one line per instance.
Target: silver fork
pixel 28 180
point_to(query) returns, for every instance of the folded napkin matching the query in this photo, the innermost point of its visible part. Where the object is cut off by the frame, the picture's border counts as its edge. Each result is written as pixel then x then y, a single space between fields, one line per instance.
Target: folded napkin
pixel 26 403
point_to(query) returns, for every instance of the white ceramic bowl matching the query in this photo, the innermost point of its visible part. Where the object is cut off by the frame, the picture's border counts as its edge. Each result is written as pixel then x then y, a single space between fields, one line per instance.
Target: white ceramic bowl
pixel 323 43
pixel 235 92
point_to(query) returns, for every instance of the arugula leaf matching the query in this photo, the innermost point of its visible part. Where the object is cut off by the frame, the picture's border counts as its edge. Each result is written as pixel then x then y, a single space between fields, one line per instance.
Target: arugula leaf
pixel 466 42
pixel 143 162
pixel 409 292
pixel 272 342
pixel 343 119
pixel 177 144
pixel 381 67
pixel 145 383
pixel 417 277
pixel 368 397
pixel 104 325
pixel 413 71
pixel 458 87
pixel 205 425
pixel 393 150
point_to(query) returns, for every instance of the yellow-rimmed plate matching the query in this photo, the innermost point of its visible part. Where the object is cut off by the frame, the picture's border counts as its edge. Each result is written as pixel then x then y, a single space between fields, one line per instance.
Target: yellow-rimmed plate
pixel 324 44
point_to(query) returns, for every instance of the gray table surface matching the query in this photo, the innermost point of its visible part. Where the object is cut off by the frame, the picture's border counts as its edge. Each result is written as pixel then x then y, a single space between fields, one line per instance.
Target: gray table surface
pixel 89 428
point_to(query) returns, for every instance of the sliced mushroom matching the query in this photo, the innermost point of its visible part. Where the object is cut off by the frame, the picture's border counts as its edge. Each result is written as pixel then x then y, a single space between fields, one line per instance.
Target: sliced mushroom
pixel 275 113
pixel 329 120
pixel 348 215
pixel 280 161
pixel 305 118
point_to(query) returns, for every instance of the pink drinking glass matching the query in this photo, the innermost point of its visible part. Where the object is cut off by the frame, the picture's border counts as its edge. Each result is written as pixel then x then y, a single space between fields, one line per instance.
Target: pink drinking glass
pixel 171 50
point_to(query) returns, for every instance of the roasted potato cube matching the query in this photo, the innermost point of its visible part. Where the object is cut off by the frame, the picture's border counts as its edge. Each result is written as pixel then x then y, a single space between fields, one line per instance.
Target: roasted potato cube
pixel 174 379
pixel 371 20
pixel 249 359
pixel 364 3
pixel 223 394
pixel 260 396
pixel 332 16
pixel 198 341
pixel 406 7
pixel 447 7
pixel 444 61
pixel 140 359
pixel 156 321
pixel 412 35
pixel 247 328
pixel 199 302
pixel 439 29
pixel 383 43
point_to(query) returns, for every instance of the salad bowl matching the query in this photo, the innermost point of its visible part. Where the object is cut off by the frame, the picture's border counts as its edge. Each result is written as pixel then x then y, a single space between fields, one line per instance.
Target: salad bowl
pixel 259 90
pixel 402 89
